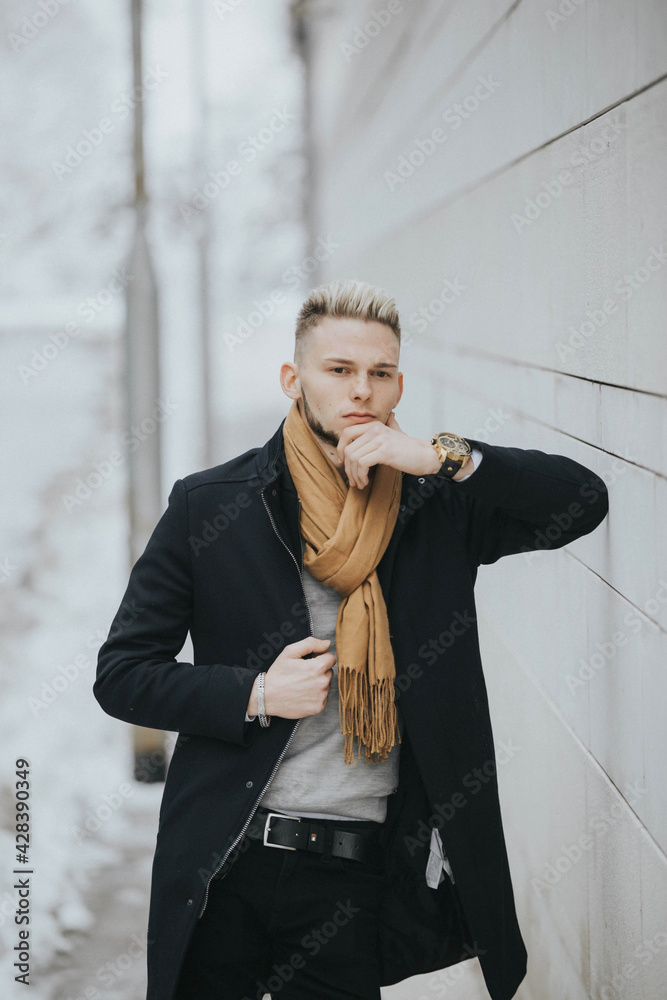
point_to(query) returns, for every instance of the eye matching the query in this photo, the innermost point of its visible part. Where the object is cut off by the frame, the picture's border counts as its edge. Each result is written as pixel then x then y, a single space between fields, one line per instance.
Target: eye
pixel 341 369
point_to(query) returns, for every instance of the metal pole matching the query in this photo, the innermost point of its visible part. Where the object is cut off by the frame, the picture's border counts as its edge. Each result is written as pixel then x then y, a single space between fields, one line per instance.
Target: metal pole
pixel 302 14
pixel 142 392
pixel 204 231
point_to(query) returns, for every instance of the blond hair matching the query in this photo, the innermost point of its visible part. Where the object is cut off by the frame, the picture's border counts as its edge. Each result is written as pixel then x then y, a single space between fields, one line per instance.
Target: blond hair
pixel 346 299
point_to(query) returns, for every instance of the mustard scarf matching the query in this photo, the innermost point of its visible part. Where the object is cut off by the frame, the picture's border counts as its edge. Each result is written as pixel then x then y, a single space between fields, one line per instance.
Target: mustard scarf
pixel 347 530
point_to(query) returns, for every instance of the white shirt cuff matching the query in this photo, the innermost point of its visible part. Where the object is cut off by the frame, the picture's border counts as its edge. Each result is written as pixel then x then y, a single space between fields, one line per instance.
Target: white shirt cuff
pixel 476 457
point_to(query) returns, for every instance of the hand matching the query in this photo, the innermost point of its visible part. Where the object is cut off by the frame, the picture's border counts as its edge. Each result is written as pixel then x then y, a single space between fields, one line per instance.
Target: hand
pixel 297 682
pixel 373 443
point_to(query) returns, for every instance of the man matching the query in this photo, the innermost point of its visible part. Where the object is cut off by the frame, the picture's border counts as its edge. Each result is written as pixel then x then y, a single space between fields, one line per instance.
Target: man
pixel 327 581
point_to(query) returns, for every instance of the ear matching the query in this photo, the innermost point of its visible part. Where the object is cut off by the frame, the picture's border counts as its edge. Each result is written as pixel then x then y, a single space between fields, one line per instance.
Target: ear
pixel 289 380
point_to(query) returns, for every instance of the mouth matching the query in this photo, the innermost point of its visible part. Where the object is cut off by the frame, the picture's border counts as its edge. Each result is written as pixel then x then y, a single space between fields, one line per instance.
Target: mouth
pixel 358 416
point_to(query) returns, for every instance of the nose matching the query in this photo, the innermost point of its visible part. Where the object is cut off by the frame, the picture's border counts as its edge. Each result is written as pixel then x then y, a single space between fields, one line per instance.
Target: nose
pixel 362 389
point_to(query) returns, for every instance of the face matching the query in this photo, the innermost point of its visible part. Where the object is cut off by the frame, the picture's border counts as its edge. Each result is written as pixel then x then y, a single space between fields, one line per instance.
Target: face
pixel 351 366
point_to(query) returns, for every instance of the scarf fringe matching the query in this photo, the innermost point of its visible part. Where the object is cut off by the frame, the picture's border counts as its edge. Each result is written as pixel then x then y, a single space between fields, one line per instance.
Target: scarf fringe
pixel 374 727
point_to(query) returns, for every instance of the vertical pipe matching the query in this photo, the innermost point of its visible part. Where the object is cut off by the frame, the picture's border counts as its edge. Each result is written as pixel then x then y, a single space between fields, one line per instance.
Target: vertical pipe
pixel 205 222
pixel 142 391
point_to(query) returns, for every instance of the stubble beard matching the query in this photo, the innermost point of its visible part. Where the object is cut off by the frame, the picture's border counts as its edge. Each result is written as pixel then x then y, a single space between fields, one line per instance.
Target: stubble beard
pixel 316 427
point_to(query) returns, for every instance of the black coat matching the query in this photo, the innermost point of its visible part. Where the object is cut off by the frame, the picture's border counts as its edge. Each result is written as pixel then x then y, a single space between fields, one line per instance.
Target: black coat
pixel 224 562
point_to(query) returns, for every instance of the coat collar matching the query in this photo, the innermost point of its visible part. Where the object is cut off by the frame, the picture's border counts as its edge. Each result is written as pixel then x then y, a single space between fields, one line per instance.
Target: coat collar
pixel 271 463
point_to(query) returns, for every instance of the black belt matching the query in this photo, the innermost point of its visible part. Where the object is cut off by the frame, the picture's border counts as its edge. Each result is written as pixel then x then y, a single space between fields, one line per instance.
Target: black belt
pixel 317 835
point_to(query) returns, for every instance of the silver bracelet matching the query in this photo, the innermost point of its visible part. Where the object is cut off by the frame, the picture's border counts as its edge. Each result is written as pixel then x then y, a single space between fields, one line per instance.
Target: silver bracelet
pixel 264 720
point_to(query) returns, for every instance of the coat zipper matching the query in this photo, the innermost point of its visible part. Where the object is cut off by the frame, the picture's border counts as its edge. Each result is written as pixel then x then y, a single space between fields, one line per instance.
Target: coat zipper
pixel 257 801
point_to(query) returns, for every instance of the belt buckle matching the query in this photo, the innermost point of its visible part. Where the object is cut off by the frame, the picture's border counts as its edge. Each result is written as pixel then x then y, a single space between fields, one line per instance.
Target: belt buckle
pixel 285 847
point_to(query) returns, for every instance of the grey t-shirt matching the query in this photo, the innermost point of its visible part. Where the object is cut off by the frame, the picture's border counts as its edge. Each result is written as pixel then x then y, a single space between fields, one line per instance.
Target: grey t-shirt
pixel 313 779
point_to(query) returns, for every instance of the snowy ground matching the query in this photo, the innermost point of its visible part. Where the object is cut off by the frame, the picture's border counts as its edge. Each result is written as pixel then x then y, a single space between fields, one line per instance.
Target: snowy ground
pixel 107 961
pixel 65 571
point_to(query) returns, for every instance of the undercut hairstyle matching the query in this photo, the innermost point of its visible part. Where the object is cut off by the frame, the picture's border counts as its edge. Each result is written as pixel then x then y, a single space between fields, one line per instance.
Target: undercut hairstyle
pixel 346 299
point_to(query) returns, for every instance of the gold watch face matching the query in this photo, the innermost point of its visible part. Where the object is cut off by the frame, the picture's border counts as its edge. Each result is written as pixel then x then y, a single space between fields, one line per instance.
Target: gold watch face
pixel 453 443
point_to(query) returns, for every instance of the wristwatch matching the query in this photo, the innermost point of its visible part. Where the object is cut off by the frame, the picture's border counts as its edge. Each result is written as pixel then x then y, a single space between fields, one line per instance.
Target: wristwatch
pixel 453 452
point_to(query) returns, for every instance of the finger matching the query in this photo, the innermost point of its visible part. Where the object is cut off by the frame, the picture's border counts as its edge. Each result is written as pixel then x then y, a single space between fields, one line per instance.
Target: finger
pixel 362 442
pixel 307 646
pixel 322 661
pixel 350 435
pixel 367 461
pixel 361 459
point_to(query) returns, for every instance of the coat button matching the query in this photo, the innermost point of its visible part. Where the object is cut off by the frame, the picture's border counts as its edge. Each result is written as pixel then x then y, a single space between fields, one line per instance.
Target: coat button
pixel 421 480
pixel 190 902
pixel 248 784
pixel 274 492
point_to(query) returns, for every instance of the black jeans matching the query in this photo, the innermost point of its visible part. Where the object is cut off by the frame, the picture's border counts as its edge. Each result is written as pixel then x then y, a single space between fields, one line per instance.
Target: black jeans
pixel 292 924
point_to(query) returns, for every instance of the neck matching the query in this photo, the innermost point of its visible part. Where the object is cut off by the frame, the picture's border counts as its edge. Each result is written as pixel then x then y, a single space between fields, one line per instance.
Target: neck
pixel 332 454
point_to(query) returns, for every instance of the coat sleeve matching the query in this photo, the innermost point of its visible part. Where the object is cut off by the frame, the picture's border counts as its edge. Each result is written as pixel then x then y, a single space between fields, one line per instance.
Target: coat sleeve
pixel 138 679
pixel 522 499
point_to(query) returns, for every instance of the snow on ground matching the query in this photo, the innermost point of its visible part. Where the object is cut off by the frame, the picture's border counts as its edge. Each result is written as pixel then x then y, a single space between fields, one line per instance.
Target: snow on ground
pixel 107 959
pixel 68 570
